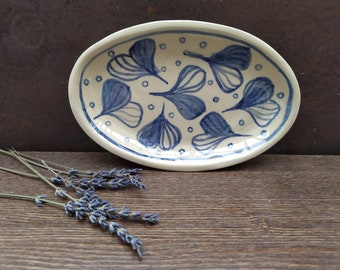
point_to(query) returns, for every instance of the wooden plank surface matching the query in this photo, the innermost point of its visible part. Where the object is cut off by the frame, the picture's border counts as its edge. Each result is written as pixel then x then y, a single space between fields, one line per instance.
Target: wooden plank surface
pixel 273 212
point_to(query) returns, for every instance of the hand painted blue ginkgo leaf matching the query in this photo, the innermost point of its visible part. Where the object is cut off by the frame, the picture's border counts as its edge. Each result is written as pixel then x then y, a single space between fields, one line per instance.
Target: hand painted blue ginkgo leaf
pixel 188 106
pixel 130 115
pixel 215 125
pixel 263 114
pixel 216 129
pixel 160 133
pixel 226 65
pixel 228 79
pixel 125 68
pixel 115 95
pixel 234 56
pixel 257 91
pixel 116 102
pixel 138 63
pixel 257 101
pixel 206 142
pixel 143 52
pixel 190 80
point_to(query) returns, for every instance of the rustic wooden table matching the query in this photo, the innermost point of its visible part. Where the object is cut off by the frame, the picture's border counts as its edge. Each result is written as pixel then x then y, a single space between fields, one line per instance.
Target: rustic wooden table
pixel 273 212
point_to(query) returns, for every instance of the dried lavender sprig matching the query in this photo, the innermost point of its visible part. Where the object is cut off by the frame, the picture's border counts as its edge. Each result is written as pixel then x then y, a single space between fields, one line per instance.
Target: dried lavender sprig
pixel 112 213
pixel 97 212
pixel 113 179
pixel 63 169
pixel 98 182
pixel 116 179
pixel 80 212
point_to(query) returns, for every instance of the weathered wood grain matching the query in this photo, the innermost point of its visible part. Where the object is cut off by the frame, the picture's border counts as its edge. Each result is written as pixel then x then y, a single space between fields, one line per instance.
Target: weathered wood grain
pixel 273 212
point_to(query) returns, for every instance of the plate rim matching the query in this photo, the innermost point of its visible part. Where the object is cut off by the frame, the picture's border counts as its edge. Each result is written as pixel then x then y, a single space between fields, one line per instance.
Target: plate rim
pixel 163 25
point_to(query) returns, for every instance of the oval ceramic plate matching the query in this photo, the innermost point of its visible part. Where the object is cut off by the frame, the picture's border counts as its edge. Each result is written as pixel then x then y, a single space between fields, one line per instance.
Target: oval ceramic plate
pixel 184 95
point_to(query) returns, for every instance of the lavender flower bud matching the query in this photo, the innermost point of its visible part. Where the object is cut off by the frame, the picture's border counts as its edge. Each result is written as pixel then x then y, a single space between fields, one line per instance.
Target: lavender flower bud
pixel 73 171
pixel 71 181
pixel 80 191
pixel 38 201
pixel 83 201
pixel 94 203
pixel 137 245
pixel 137 183
pixel 136 171
pixel 103 223
pixel 112 172
pixel 136 216
pixel 58 179
pixel 151 218
pixel 70 208
pixel 104 173
pixel 95 215
pixel 90 172
pixel 61 193
pixel 82 212
pixel 85 182
pixel 111 213
pixel 124 212
pixel 89 192
pixel 98 183
pixel 122 234
pixel 115 183
pixel 113 226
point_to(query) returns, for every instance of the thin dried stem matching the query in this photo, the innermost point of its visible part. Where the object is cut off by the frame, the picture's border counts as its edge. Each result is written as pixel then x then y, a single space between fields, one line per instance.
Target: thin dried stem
pixel 18 172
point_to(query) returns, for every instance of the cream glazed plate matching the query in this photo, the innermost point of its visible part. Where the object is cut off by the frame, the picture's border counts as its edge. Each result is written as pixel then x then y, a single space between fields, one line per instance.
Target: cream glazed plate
pixel 183 95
